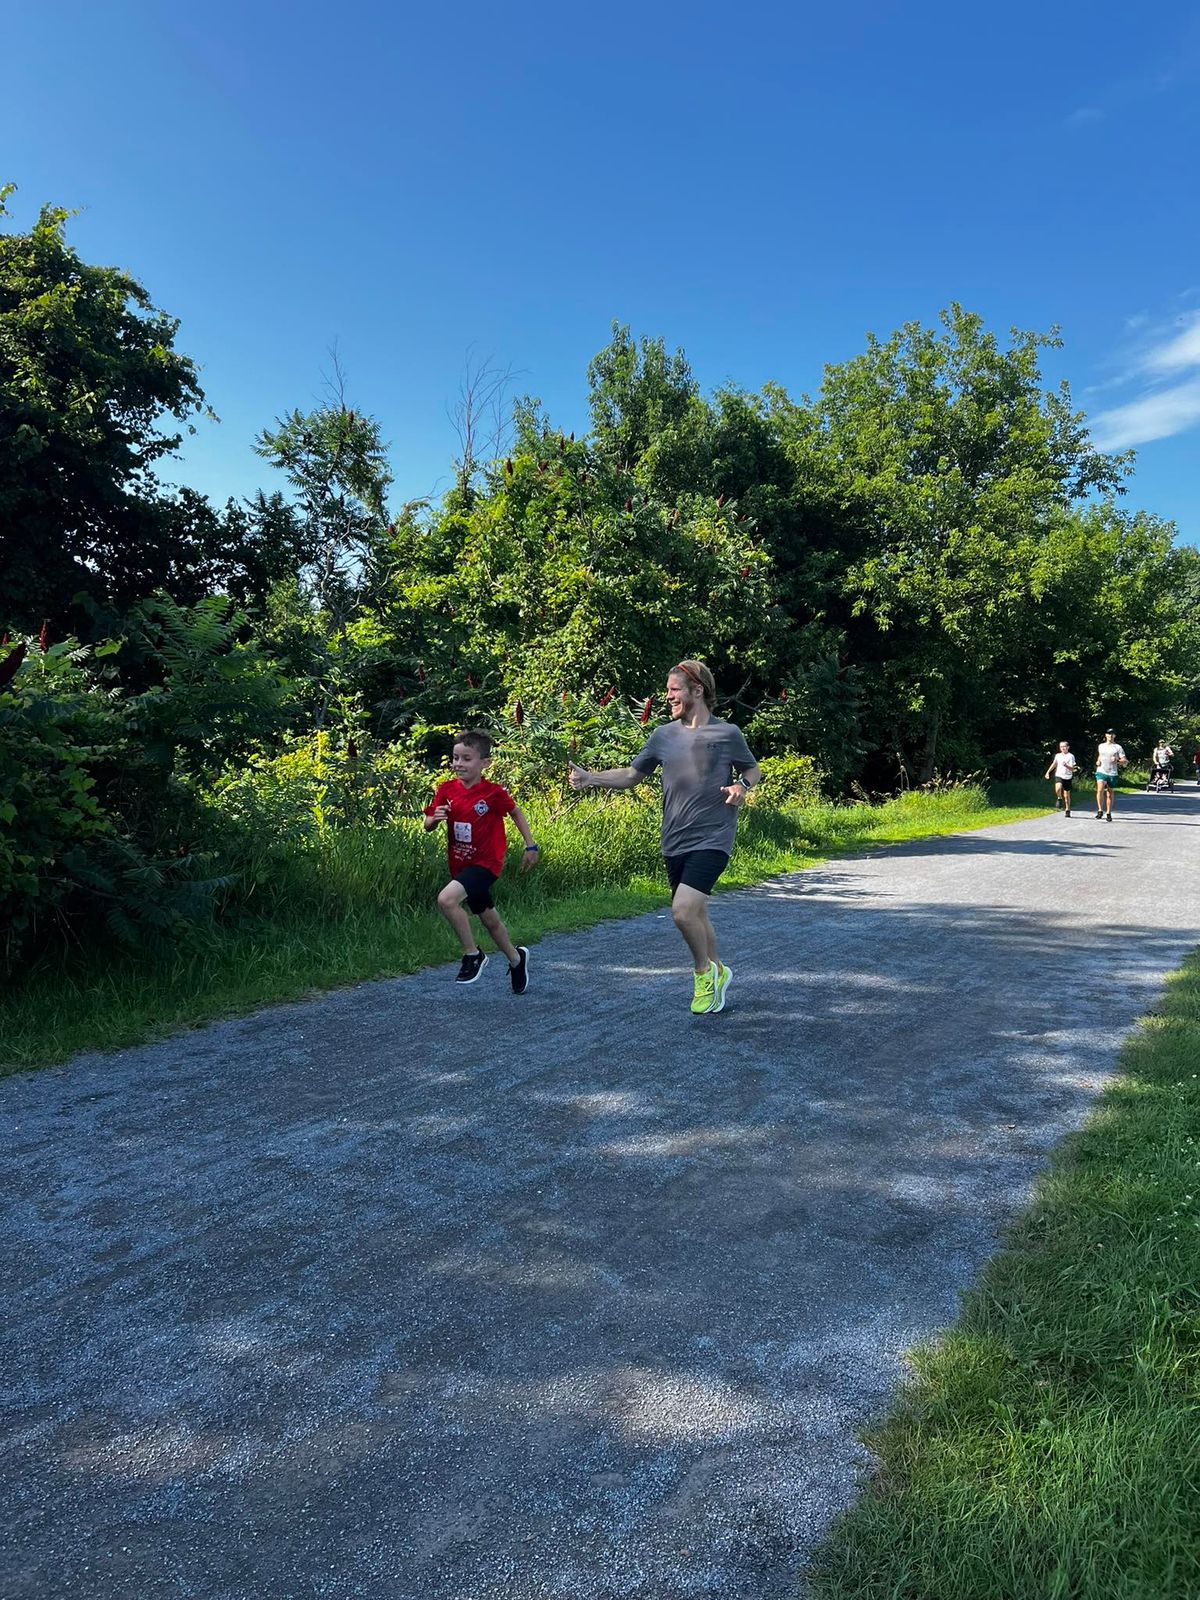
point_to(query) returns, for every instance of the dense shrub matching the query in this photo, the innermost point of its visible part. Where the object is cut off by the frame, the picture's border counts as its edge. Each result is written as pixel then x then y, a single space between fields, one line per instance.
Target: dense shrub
pixel 68 861
pixel 51 726
pixel 536 744
pixel 101 820
pixel 319 782
pixel 789 781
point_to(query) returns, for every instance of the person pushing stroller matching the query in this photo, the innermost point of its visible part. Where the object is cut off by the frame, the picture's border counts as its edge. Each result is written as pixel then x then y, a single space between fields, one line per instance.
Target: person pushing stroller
pixel 1161 767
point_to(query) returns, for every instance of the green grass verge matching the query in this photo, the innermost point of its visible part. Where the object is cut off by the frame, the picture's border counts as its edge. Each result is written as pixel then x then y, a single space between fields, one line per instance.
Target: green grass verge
pixel 1047 1447
pixel 356 905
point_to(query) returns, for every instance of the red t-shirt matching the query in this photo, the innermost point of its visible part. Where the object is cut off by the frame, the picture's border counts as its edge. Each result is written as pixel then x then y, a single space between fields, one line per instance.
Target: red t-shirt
pixel 475 834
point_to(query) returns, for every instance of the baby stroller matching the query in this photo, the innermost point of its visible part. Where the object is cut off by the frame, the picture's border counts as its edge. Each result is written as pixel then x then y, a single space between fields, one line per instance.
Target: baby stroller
pixel 1160 779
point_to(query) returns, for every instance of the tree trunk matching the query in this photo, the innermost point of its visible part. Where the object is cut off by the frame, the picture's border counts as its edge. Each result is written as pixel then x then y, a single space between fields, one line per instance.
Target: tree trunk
pixel 929 756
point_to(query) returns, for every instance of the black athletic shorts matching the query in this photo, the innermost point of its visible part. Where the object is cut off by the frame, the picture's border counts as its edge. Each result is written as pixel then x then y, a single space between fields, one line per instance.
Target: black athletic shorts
pixel 699 869
pixel 477 881
pixel 1063 783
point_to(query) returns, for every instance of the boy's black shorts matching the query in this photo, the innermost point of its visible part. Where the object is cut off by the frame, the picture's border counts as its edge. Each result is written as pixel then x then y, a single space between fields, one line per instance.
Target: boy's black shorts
pixel 477 881
pixel 699 869
pixel 1064 784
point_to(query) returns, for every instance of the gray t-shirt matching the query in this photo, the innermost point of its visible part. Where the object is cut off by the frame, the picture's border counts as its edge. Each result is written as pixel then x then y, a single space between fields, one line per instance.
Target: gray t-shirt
pixel 695 764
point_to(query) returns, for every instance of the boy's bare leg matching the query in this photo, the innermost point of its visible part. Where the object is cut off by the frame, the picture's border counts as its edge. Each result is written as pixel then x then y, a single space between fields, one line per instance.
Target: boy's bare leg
pixel 450 904
pixel 499 935
pixel 689 908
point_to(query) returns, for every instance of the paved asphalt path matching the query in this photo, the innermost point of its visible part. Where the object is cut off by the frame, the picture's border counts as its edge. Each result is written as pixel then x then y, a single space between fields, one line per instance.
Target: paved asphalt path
pixel 414 1291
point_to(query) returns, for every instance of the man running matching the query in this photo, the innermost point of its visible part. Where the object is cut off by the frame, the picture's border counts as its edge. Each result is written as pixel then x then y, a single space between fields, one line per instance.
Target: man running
pixel 1110 758
pixel 696 752
pixel 1063 766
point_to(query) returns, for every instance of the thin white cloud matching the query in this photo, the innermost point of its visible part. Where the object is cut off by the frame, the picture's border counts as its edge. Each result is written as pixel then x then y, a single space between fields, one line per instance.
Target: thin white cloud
pixel 1179 354
pixel 1176 69
pixel 1154 416
pixel 1166 368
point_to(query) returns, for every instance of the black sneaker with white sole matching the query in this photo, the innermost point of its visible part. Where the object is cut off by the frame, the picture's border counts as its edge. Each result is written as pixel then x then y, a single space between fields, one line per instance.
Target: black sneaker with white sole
pixel 520 973
pixel 471 967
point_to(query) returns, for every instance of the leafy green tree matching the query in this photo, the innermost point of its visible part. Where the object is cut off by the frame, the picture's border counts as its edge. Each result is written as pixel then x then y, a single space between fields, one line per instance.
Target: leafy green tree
pixel 637 393
pixel 241 550
pixel 1108 637
pixel 264 542
pixel 336 463
pixel 948 460
pixel 566 577
pixel 817 710
pixel 88 377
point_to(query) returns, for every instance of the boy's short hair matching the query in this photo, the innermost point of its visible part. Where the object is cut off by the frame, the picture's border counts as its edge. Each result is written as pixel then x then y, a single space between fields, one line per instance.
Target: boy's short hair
pixel 475 739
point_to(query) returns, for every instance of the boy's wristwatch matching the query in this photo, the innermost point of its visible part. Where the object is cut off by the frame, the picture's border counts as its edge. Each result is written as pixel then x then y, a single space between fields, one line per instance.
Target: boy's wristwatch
pixel 530 847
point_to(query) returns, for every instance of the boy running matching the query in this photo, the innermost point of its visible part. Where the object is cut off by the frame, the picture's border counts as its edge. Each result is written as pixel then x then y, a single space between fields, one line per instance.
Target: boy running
pixel 474 811
pixel 1110 758
pixel 1063 766
pixel 696 752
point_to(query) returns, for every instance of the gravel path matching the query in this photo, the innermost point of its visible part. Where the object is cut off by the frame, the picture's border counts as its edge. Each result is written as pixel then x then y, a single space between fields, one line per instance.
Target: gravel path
pixel 411 1291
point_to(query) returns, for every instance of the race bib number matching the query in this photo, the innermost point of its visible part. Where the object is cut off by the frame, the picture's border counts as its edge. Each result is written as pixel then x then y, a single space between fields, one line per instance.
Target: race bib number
pixel 462 832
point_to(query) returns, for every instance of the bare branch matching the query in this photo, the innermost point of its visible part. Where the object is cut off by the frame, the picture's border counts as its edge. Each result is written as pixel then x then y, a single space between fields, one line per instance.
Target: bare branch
pixel 337 381
pixel 478 416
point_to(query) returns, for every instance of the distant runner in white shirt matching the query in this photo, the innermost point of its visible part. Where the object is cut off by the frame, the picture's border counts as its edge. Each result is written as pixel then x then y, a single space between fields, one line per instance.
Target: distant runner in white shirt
pixel 1063 766
pixel 1110 758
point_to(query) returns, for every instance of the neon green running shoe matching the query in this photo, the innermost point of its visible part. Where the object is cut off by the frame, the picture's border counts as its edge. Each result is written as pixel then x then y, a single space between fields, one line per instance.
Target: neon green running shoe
pixel 721 986
pixel 704 994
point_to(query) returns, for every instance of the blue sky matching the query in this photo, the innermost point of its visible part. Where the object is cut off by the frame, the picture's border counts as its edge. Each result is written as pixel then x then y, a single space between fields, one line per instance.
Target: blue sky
pixel 761 184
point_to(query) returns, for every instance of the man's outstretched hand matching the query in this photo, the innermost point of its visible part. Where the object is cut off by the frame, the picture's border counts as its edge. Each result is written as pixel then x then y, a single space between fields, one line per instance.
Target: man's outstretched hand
pixel 577 777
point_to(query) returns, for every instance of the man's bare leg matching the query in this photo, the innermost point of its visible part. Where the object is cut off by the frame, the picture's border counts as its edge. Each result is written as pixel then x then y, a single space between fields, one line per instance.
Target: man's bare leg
pixel 689 909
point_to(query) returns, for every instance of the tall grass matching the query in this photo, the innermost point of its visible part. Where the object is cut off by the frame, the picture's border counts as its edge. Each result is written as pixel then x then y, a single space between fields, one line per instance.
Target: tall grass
pixel 356 903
